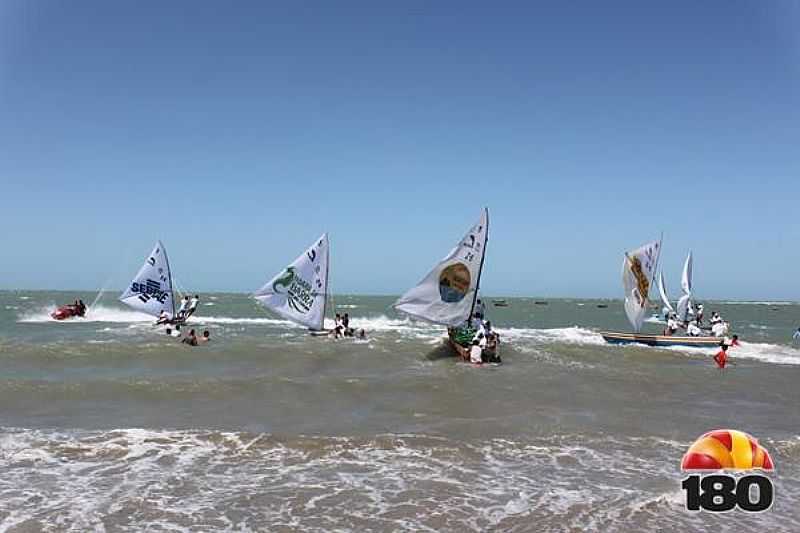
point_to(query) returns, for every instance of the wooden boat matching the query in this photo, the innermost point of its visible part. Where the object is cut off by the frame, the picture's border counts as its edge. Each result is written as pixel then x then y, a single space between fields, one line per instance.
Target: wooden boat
pixel 500 303
pixel 448 294
pixel 613 337
pixel 489 355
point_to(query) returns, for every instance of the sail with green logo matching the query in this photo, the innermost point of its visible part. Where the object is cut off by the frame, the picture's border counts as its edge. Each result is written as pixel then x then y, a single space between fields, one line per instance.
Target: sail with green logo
pixel 299 292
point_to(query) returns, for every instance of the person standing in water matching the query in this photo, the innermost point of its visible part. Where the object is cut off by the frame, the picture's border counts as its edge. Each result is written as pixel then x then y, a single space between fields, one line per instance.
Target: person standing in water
pixel 796 336
pixel 722 356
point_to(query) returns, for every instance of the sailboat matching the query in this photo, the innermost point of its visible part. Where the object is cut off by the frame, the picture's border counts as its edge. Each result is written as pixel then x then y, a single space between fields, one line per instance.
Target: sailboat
pixel 300 291
pixel 447 295
pixel 150 291
pixel 638 273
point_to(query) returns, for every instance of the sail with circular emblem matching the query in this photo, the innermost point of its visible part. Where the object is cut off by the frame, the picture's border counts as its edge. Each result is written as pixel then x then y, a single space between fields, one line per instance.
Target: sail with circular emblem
pixel 447 294
pixel 151 290
pixel 299 292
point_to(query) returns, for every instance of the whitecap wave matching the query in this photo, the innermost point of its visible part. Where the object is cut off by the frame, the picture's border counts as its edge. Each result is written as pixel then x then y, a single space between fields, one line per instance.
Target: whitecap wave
pixel 97 313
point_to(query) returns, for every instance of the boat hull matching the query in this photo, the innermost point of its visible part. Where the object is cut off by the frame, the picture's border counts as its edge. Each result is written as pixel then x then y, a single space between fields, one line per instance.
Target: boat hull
pixel 612 337
pixel 489 356
pixel 65 312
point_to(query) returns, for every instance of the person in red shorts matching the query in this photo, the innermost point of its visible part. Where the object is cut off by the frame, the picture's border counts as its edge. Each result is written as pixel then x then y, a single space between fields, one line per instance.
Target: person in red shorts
pixel 722 356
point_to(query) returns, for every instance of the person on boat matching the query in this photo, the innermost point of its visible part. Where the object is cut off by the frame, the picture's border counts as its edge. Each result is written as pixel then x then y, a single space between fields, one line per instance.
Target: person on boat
pixel 362 335
pixel 719 329
pixel 699 314
pixel 475 353
pixel 206 337
pixel 672 325
pixel 190 339
pixel 163 317
pixel 181 314
pixel 480 309
pixel 715 318
pixel 693 330
pixel 722 356
pixel 192 306
pixel 346 321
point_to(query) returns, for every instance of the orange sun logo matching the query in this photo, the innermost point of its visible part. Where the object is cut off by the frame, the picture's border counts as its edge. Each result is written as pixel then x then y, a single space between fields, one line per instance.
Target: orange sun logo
pixel 727 449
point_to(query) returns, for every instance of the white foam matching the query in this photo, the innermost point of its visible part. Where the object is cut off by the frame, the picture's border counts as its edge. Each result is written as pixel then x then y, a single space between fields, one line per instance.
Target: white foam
pixel 97 313
pixel 573 335
pixel 734 302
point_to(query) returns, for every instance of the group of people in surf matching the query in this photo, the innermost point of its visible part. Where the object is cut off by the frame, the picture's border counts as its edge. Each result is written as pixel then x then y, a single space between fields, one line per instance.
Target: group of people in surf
pixel 717 327
pixel 485 340
pixel 187 309
pixel 191 338
pixel 341 328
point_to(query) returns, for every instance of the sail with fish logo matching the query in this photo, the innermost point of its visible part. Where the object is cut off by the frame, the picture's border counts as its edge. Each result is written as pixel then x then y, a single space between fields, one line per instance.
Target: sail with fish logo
pixel 638 272
pixel 151 290
pixel 299 292
pixel 447 294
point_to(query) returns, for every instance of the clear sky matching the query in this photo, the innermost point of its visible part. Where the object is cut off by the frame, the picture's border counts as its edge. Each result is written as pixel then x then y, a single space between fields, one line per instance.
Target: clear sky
pixel 237 132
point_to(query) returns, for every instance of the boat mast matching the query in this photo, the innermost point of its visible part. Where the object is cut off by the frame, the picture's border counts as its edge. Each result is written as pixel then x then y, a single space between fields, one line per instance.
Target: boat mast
pixel 480 268
pixel 169 276
pixel 327 268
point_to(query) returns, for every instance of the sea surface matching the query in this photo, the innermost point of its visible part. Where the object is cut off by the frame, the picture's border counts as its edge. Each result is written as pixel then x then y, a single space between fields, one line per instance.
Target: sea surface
pixel 107 424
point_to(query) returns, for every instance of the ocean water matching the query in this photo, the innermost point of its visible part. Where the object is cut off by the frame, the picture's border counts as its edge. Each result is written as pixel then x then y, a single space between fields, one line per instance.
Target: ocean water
pixel 107 424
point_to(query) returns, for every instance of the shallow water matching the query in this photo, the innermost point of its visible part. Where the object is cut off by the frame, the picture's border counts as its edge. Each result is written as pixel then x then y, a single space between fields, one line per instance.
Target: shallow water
pixel 109 424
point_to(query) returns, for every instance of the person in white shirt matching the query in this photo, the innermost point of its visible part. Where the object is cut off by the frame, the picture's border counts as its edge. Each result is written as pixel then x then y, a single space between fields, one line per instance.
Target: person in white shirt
pixel 796 336
pixel 692 330
pixel 182 310
pixel 163 317
pixel 192 306
pixel 719 329
pixel 715 318
pixel 672 325
pixel 475 353
pixel 480 309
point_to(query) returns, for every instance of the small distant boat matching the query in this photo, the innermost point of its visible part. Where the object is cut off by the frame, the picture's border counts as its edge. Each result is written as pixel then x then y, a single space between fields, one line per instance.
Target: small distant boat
pixel 500 303
pixel 447 295
pixel 541 302
pixel 602 306
pixel 659 340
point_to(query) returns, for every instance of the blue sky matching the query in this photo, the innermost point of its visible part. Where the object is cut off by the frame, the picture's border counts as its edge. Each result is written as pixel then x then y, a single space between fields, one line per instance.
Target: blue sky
pixel 239 132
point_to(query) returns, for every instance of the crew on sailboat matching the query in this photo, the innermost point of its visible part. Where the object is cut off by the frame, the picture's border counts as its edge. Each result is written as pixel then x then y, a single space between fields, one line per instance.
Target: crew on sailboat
pixel 672 325
pixel 693 330
pixel 699 314
pixel 480 309
pixel 192 306
pixel 182 311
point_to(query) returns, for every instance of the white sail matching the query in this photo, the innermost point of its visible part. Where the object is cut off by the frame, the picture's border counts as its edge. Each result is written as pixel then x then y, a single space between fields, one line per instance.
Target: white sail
pixel 663 292
pixel 300 291
pixel 447 294
pixel 638 271
pixel 151 289
pixel 686 278
pixel 684 307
